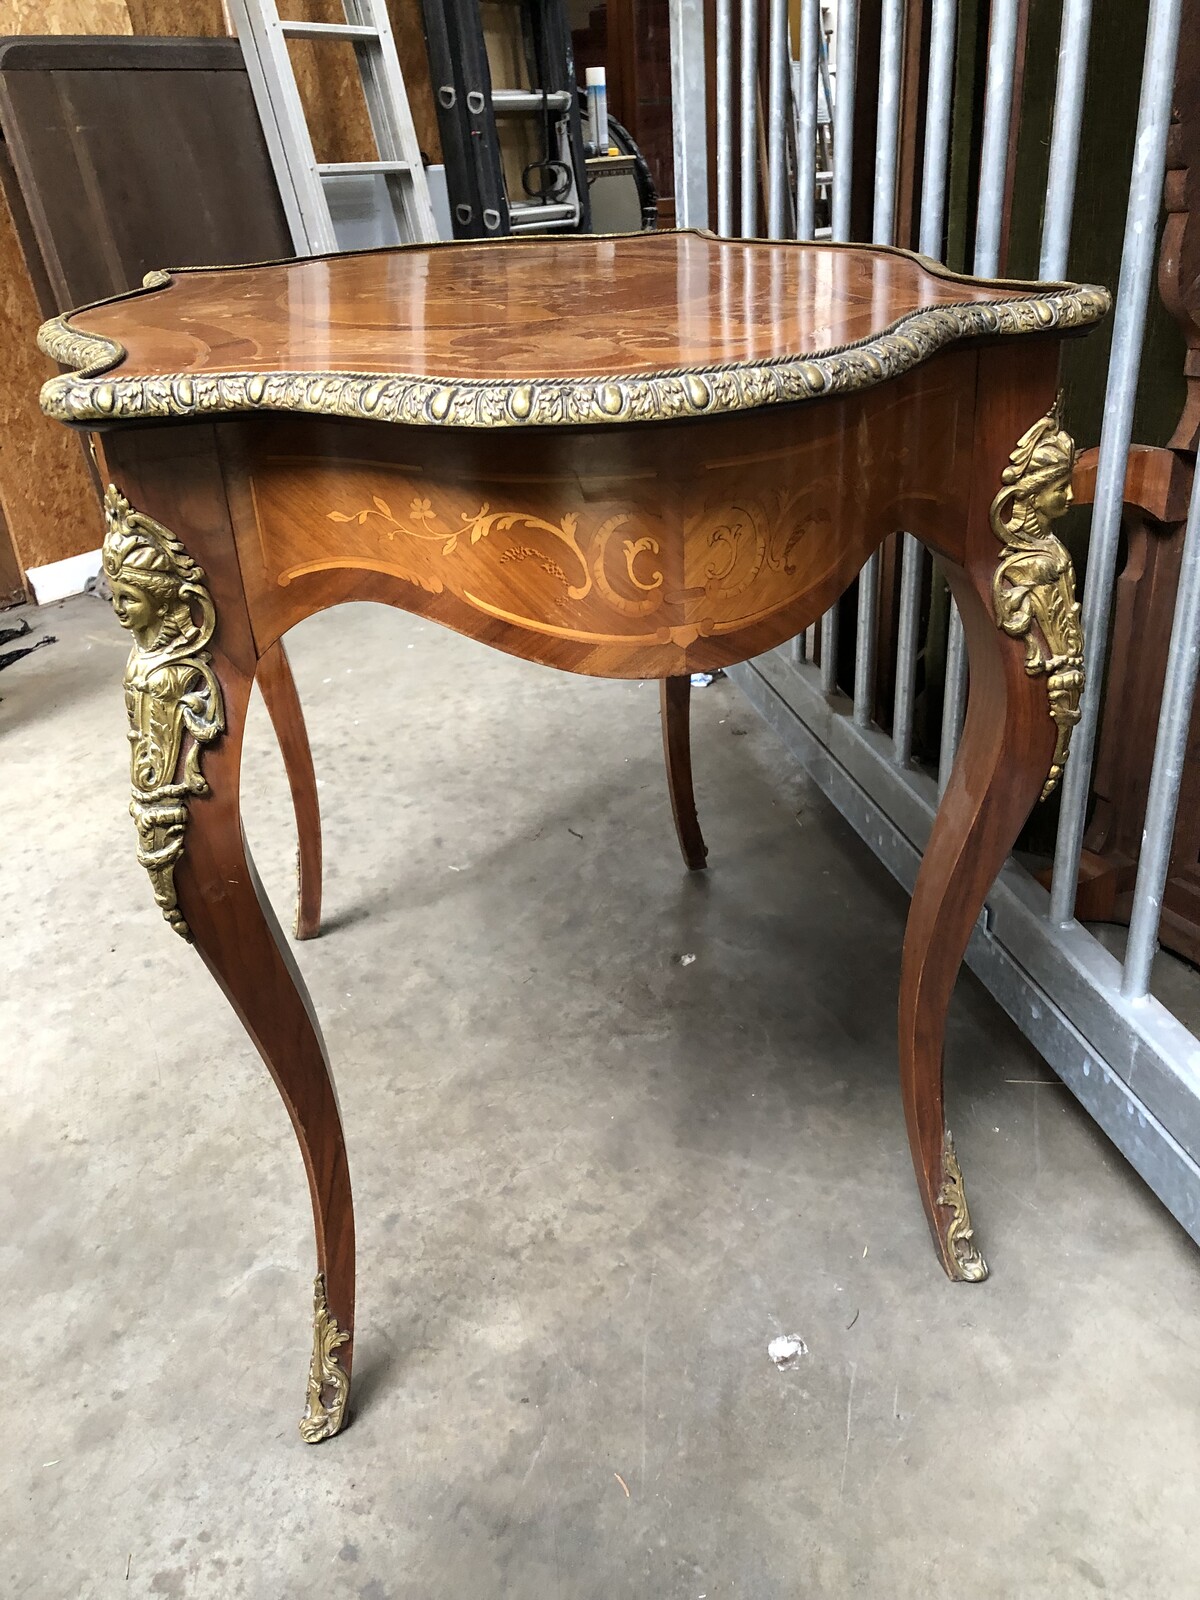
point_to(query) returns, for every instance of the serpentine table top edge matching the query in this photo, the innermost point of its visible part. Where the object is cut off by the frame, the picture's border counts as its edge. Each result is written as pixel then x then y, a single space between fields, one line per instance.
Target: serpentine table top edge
pixel 96 393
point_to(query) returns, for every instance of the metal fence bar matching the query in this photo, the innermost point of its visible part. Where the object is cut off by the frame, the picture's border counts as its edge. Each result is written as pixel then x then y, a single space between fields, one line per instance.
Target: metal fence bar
pixel 954 698
pixel 865 641
pixel 846 67
pixel 997 117
pixel 939 105
pixel 689 114
pixel 883 228
pixel 778 56
pixel 989 225
pixel 1129 326
pixel 1064 137
pixel 939 98
pixel 749 118
pixel 829 650
pixel 906 649
pixel 845 63
pixel 887 135
pixel 806 119
pixel 1170 749
pixel 724 92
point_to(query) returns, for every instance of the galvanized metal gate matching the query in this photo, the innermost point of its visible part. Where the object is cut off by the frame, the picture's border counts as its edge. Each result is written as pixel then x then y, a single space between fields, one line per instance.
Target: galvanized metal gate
pixel 1127 1058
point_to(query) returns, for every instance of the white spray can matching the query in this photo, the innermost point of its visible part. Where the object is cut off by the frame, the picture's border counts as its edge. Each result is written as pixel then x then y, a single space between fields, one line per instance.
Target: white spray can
pixel 597 105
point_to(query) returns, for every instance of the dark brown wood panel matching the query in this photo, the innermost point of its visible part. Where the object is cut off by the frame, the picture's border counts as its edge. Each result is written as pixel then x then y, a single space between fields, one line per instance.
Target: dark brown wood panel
pixel 113 195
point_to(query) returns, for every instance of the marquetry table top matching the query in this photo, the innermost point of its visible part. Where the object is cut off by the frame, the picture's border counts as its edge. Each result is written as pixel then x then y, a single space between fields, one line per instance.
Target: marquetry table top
pixel 573 329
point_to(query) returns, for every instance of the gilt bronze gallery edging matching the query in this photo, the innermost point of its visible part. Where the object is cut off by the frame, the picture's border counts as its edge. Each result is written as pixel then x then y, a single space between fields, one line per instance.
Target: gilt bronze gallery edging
pixel 171 694
pixel 85 396
pixel 1033 588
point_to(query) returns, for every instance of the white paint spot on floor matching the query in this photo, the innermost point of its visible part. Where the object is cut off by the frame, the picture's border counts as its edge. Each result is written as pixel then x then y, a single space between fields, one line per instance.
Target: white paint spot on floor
pixel 786 1351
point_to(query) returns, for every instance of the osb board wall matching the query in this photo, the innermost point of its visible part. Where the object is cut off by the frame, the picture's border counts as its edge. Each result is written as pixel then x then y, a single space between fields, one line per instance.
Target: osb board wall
pixel 64 16
pixel 47 498
pixel 332 92
pixel 46 492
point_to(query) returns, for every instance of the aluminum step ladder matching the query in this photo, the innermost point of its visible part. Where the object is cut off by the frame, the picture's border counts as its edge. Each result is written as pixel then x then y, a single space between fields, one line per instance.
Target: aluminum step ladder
pixel 393 190
pixel 482 203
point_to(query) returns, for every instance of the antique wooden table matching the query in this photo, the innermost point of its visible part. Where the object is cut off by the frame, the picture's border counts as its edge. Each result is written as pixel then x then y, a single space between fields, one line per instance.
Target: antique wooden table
pixel 635 457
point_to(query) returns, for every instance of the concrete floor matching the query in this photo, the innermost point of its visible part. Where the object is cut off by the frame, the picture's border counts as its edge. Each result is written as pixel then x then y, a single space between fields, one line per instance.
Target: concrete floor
pixel 595 1177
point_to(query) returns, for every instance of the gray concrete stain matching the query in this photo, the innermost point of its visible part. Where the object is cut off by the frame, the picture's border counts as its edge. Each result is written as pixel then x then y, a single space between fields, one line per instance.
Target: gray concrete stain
pixel 593 1184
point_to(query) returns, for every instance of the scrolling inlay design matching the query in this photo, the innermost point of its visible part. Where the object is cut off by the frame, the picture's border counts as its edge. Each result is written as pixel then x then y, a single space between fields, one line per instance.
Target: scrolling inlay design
pixel 1033 588
pixel 171 693
pixel 609 574
pixel 966 1261
pixel 422 524
pixel 321 1420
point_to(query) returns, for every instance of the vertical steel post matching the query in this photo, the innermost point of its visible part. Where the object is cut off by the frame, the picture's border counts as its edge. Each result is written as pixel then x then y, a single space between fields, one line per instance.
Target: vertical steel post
pixel 954 698
pixel 724 92
pixel 845 57
pixel 1170 751
pixel 989 227
pixel 1129 326
pixel 883 229
pixel 887 134
pixel 906 649
pixel 749 119
pixel 778 56
pixel 1064 137
pixel 688 113
pixel 997 118
pixel 938 107
pixel 806 119
pixel 933 220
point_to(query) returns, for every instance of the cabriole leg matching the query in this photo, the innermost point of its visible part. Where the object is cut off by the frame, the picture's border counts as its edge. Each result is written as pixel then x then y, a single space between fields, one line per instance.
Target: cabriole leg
pixel 675 709
pixel 187 686
pixel 1017 600
pixel 287 717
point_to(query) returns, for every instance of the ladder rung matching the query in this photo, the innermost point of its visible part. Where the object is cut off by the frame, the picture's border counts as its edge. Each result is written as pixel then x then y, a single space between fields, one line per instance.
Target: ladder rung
pixel 334 169
pixel 527 216
pixel 327 30
pixel 528 100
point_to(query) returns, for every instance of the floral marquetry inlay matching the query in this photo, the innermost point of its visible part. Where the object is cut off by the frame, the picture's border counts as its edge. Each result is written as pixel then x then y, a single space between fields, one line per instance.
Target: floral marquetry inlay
pixel 421 523
pixel 605 573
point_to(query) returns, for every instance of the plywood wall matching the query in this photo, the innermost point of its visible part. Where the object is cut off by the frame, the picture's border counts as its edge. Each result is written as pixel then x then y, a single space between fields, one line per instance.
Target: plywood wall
pixel 46 491
pixel 64 16
pixel 47 499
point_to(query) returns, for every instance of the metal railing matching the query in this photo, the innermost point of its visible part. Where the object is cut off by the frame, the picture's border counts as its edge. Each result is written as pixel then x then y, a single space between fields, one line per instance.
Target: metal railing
pixel 1133 1064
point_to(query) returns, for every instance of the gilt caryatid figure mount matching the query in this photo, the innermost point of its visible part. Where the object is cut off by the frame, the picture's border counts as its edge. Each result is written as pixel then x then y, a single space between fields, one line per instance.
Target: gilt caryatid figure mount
pixel 636 457
pixel 171 692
